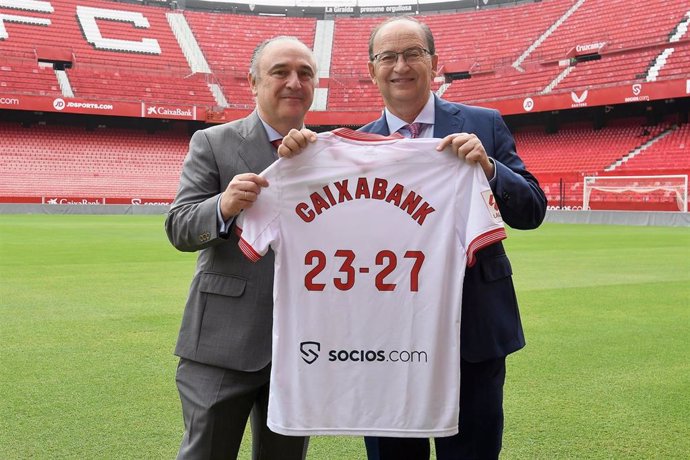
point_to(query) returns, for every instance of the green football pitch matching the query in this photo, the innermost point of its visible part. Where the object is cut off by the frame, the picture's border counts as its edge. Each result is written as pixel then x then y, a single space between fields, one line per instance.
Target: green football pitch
pixel 90 307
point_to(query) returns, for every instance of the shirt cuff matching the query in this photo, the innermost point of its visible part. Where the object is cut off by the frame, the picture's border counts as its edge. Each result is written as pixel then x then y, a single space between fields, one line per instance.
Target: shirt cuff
pixel 493 179
pixel 223 225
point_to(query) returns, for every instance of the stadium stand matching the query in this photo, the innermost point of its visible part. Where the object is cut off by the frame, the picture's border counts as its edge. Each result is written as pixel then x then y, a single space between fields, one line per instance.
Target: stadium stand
pixel 626 147
pixel 615 24
pixel 105 71
pixel 24 77
pixel 677 62
pixel 666 154
pixel 498 36
pixel 228 41
pixel 49 161
pixel 630 41
pixel 139 53
pixel 350 86
pixel 123 85
pixel 579 148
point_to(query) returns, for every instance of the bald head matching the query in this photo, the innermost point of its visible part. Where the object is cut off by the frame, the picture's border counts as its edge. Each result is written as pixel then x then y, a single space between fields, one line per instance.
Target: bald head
pixel 282 78
pixel 254 70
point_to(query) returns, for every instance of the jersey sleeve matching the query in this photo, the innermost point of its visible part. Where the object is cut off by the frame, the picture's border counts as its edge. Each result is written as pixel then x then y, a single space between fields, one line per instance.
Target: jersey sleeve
pixel 256 227
pixel 480 222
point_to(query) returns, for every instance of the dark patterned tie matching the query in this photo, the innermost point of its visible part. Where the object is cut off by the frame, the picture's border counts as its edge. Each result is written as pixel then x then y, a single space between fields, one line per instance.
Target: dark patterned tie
pixel 276 143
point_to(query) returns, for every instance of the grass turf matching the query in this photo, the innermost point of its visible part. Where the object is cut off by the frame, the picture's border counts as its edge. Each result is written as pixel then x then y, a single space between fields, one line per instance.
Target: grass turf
pixel 90 306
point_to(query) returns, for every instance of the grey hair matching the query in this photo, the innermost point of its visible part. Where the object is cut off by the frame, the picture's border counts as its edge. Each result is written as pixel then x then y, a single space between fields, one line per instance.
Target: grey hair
pixel 425 30
pixel 256 55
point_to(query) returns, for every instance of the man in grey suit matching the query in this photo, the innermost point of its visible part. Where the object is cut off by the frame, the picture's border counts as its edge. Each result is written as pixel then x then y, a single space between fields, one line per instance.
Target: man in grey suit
pixel 224 342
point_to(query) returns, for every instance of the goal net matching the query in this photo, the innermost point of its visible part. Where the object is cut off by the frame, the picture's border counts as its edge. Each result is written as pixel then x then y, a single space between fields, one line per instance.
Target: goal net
pixel 659 193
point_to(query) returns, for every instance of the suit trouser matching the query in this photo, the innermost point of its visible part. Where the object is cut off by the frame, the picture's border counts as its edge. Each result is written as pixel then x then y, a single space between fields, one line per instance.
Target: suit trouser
pixel 216 404
pixel 480 423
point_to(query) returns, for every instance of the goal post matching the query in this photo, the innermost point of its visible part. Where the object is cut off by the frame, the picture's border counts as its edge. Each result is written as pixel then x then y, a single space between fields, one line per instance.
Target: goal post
pixel 635 192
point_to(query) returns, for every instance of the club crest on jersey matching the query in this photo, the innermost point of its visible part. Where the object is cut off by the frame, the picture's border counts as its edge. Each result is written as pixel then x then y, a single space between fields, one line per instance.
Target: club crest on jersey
pixel 364 188
pixel 492 206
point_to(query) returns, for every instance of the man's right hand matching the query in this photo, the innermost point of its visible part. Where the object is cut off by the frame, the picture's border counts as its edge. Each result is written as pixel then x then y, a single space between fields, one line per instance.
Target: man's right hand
pixel 296 141
pixel 241 193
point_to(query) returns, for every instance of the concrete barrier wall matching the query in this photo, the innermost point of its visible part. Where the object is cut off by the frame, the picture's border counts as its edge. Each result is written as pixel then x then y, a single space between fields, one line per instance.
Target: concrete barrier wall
pixel 82 209
pixel 642 218
pixel 658 218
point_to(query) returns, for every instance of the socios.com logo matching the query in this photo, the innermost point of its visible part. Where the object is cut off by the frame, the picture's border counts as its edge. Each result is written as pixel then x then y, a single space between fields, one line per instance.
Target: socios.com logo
pixel 310 351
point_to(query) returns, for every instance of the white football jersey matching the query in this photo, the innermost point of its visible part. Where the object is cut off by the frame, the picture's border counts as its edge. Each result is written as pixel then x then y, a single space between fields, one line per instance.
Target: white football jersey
pixel 371 236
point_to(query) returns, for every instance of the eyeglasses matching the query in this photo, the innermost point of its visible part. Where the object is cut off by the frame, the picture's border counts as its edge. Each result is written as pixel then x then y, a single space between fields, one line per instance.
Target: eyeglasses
pixel 410 55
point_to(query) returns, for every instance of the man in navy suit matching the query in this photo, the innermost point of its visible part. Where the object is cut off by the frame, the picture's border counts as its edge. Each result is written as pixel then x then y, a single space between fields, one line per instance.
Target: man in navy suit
pixel 403 63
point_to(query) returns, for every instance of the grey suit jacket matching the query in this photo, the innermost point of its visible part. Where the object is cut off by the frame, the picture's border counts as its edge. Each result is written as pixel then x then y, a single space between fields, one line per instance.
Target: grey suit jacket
pixel 228 317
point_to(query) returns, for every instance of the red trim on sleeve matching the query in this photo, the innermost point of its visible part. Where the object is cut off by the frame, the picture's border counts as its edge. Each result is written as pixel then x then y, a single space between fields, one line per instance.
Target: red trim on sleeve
pixel 249 252
pixel 482 241
pixel 246 248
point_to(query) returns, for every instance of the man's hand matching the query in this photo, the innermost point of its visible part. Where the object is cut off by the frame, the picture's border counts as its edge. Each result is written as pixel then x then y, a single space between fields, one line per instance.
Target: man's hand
pixel 470 148
pixel 296 141
pixel 241 193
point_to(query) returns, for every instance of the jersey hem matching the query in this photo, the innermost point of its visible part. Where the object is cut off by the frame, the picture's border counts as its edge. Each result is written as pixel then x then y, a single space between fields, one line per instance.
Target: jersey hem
pixel 364 432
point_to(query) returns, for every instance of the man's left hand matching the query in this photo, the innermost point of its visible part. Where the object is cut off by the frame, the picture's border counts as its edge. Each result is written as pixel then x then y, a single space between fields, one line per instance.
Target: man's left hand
pixel 296 141
pixel 468 147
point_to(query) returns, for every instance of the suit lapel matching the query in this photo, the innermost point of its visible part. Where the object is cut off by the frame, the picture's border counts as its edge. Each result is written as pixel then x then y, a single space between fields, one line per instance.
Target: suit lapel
pixel 380 126
pixel 448 118
pixel 255 149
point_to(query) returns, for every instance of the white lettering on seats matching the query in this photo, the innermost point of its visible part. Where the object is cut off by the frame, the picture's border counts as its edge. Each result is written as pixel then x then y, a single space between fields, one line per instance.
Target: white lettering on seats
pixel 27 5
pixel 87 18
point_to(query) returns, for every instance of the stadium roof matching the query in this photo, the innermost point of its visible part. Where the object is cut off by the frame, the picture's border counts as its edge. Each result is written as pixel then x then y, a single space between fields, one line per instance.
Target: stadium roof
pixel 337 3
pixel 326 9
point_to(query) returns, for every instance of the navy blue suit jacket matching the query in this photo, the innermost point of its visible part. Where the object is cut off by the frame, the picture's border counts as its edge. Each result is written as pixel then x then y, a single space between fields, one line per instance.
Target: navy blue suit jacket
pixel 491 326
